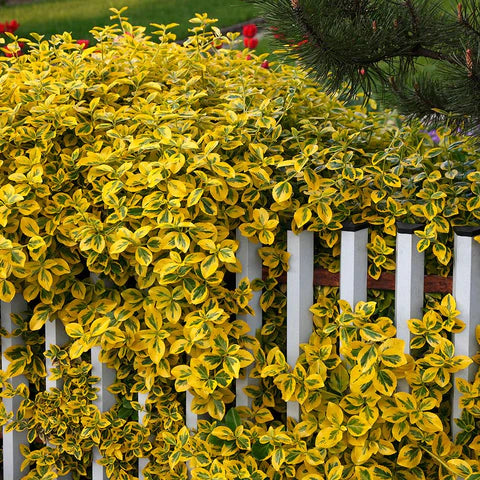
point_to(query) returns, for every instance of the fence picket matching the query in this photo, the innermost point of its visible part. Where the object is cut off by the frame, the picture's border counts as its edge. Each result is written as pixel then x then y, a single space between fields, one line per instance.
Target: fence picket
pixel 409 284
pixel 353 263
pixel 54 335
pixel 409 299
pixel 466 291
pixel 104 401
pixel 299 300
pixel 191 419
pixel 142 462
pixel 251 263
pixel 12 458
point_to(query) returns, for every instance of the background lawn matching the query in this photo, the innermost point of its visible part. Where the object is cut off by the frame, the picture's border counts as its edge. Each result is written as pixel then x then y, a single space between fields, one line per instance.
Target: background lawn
pixel 48 17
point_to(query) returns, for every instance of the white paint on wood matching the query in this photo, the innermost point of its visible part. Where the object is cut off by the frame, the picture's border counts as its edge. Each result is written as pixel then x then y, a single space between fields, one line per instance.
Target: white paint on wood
pixel 409 279
pixel 12 458
pixel 299 300
pixel 105 400
pixel 251 263
pixel 466 291
pixel 54 335
pixel 353 266
pixel 142 462
pixel 191 419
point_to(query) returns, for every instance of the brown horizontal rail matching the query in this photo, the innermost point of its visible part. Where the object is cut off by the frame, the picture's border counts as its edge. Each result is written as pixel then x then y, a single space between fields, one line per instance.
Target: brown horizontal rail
pixel 322 277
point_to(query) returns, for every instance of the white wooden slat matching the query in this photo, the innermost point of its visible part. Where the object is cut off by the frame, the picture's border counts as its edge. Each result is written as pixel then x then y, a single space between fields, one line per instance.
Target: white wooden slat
pixel 299 300
pixel 12 459
pixel 54 335
pixel 409 280
pixel 353 263
pixel 466 291
pixel 191 419
pixel 251 263
pixel 104 401
pixel 142 462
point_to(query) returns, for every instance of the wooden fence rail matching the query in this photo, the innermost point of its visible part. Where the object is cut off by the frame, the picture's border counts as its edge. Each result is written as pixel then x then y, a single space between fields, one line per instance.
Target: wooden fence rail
pixel 409 282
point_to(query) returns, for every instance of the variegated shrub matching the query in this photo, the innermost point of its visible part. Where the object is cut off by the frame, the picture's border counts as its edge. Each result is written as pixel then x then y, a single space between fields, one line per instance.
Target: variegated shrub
pixel 135 160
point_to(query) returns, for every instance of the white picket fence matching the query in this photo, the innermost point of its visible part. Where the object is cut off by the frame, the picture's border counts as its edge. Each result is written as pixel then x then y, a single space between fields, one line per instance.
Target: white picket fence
pixel 409 288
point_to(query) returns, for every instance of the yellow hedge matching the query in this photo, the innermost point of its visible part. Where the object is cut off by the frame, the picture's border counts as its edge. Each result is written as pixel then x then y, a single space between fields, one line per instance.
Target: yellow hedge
pixel 136 160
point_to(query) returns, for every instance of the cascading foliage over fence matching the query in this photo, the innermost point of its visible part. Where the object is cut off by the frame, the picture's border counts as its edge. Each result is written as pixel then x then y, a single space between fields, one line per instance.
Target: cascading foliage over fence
pixel 135 161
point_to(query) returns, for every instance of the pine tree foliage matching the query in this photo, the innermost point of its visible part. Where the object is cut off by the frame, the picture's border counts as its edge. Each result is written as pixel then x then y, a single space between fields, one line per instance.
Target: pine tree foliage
pixel 422 55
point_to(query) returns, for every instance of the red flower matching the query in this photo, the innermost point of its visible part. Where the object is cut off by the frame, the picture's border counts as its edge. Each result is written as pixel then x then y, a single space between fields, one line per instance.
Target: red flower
pixel 249 30
pixel 2 28
pixel 84 43
pixel 11 26
pixel 11 53
pixel 250 42
pixel 265 64
pixel 248 57
pixel 302 42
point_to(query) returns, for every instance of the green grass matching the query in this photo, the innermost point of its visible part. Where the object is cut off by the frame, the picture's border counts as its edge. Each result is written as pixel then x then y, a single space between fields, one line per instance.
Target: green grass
pixel 48 17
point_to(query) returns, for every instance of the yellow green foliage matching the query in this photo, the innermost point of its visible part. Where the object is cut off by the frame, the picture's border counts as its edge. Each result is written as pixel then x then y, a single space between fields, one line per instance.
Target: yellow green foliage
pixel 136 160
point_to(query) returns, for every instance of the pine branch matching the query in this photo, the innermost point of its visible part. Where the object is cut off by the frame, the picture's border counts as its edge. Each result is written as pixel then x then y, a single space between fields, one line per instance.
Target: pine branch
pixel 312 35
pixel 465 21
pixel 411 10
pixel 352 45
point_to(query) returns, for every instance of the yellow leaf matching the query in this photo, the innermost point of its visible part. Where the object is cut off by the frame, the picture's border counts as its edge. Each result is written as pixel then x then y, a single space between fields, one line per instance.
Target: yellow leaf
pixel 143 256
pixel 77 348
pixel 258 149
pixel 334 414
pixel 99 326
pixel 324 212
pixel 36 243
pixel 460 467
pixel 357 426
pixel 385 381
pixel 209 266
pixel 475 444
pixel 74 330
pixel 7 290
pixel 409 456
pixel 302 216
pixel 286 384
pixel 194 197
pixel 45 279
pixel 119 246
pixel 29 227
pixel 328 437
pixel 60 267
pixel 391 352
pixel 282 191
pixel 224 433
pixel 430 422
